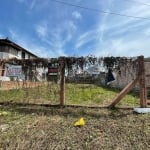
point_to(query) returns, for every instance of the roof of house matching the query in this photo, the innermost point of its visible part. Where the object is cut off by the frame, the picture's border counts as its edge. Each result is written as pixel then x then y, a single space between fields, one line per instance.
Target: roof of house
pixel 14 45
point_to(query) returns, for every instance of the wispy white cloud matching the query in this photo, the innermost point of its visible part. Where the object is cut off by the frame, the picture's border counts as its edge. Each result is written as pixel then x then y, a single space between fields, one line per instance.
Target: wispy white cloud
pixel 33 46
pixel 124 36
pixel 146 32
pixel 76 15
pixel 101 28
pixel 62 36
pixel 106 21
pixel 33 3
pixel 119 22
pixel 83 31
pixel 95 35
pixel 57 38
pixel 42 30
pixel 124 47
pixel 36 6
pixel 69 28
pixel 58 42
pixel 13 33
pixel 85 38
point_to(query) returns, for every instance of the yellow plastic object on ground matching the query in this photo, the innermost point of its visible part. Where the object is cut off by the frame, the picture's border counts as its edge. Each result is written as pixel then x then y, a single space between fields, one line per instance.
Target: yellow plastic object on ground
pixel 80 122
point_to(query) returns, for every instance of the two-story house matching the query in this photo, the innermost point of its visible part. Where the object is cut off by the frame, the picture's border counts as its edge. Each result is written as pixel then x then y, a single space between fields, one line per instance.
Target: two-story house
pixel 8 50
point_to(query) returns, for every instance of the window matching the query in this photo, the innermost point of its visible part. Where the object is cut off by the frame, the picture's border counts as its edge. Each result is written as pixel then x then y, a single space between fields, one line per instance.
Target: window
pixel 4 49
pixel 23 55
pixel 13 51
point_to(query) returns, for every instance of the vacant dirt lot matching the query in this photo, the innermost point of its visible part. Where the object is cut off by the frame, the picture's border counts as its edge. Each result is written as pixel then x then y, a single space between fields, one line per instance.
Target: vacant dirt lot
pixel 51 128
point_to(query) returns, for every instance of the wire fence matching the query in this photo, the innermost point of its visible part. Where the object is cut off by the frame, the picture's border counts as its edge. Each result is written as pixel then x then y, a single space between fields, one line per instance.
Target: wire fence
pixel 88 81
pixel 30 92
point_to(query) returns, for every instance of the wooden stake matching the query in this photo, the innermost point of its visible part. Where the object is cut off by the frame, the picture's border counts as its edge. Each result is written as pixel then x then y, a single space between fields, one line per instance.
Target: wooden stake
pixel 123 92
pixel 62 81
pixel 1 71
pixel 142 83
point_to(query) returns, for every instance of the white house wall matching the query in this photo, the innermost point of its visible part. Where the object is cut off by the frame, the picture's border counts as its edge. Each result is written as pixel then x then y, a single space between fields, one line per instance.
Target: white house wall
pixel 12 56
pixel 4 55
pixel 19 55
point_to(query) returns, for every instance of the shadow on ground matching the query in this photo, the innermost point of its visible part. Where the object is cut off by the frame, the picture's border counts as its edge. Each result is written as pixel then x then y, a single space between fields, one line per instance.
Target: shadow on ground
pixel 66 111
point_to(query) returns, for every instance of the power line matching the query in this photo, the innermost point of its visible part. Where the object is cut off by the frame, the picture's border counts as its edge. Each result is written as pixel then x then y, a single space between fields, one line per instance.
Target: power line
pixel 134 1
pixel 100 11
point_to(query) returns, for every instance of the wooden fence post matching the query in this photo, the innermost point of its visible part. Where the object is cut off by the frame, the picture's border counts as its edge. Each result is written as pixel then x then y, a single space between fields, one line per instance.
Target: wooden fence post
pixel 62 81
pixel 1 73
pixel 142 83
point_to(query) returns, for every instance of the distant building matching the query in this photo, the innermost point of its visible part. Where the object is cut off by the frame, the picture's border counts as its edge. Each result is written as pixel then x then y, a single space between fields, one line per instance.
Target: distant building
pixel 9 49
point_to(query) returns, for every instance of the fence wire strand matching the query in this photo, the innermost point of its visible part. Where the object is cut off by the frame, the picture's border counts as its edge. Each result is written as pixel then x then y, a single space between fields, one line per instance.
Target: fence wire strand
pixel 82 85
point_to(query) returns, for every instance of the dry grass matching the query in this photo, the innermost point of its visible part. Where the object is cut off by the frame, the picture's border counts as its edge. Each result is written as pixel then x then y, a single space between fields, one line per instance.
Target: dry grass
pixel 48 128
pixel 36 127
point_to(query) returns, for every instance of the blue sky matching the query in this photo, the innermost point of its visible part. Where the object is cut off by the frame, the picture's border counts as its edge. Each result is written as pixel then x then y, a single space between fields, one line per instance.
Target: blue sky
pixel 51 29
